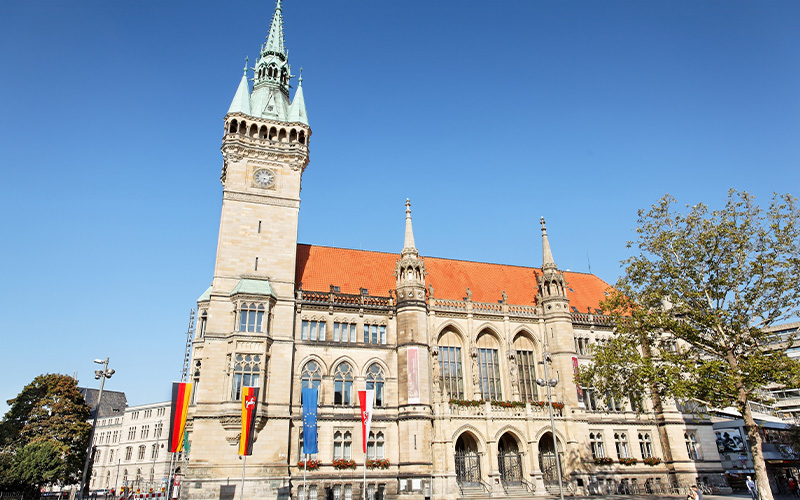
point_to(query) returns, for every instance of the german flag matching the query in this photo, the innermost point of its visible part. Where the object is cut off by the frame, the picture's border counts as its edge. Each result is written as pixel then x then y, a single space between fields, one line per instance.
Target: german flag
pixel 249 407
pixel 177 422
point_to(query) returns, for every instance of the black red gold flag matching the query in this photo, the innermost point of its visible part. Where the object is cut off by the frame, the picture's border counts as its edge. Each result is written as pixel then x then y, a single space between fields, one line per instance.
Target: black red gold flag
pixel 177 421
pixel 249 407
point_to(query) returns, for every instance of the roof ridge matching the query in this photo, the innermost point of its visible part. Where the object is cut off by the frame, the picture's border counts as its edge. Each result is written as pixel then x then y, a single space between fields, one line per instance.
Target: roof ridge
pixel 451 259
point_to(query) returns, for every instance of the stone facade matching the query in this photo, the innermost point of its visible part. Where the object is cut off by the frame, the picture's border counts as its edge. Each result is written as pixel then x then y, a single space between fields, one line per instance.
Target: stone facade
pixel 453 349
pixel 131 449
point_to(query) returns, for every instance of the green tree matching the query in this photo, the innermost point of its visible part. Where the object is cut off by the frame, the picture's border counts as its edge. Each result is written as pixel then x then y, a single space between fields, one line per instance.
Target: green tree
pixel 45 433
pixel 691 308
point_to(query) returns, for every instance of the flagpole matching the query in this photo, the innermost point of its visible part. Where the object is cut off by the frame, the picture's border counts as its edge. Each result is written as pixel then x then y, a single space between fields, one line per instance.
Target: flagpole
pixel 305 468
pixel 244 461
pixel 169 476
pixel 365 467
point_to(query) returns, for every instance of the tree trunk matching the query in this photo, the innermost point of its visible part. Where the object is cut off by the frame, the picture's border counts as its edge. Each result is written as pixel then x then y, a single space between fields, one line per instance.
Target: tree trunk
pixel 759 465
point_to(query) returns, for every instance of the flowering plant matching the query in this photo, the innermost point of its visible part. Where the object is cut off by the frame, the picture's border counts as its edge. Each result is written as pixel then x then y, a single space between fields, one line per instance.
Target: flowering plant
pixel 509 404
pixel 628 461
pixel 380 463
pixel 310 464
pixel 466 402
pixel 652 461
pixel 343 463
pixel 603 461
pixel 558 406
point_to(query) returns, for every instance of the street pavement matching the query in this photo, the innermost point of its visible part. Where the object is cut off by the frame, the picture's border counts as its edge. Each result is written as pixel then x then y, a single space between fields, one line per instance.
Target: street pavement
pixel 732 496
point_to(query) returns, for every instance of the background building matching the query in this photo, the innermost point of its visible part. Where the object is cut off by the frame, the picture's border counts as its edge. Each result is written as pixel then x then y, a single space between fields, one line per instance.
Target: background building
pixel 130 446
pixel 452 348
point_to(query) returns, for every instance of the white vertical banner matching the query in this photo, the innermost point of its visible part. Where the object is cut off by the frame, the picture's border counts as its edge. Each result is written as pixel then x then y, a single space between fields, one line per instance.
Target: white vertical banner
pixel 412 366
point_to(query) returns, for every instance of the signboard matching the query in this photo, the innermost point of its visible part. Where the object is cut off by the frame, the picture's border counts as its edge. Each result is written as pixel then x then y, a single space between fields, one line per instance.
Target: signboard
pixel 729 440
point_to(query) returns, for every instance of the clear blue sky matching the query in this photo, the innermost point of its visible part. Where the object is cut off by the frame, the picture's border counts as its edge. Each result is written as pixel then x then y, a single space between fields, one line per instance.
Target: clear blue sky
pixel 486 114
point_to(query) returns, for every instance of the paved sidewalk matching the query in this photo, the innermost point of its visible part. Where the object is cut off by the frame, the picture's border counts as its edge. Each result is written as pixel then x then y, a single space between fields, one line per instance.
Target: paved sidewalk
pixel 732 496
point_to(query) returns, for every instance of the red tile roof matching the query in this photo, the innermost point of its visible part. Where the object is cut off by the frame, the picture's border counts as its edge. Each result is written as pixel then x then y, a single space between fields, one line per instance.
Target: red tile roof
pixel 319 267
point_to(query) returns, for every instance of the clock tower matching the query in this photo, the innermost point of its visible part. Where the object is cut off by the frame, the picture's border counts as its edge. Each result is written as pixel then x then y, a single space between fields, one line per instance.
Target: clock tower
pixel 245 318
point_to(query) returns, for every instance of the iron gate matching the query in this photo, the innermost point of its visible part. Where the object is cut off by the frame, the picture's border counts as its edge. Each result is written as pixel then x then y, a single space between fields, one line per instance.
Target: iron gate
pixel 547 464
pixel 468 468
pixel 510 465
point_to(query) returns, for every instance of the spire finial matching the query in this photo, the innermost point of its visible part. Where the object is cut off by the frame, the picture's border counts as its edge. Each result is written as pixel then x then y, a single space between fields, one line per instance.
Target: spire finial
pixel 246 59
pixel 300 78
pixel 547 255
pixel 275 36
pixel 408 245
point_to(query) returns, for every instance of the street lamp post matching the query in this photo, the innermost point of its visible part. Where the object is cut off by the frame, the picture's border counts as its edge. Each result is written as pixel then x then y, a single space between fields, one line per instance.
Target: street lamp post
pixel 156 431
pixel 551 382
pixel 101 375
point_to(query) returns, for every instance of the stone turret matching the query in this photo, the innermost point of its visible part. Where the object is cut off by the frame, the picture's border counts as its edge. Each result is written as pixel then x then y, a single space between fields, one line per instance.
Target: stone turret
pixel 551 295
pixel 410 269
pixel 557 322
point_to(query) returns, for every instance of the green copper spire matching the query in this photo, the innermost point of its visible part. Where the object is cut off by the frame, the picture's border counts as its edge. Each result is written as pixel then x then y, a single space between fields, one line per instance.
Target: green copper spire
pixel 275 37
pixel 271 76
pixel 241 101
pixel 297 110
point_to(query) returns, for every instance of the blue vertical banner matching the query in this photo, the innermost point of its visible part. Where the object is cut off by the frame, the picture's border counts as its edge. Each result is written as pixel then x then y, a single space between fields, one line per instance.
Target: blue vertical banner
pixel 309 421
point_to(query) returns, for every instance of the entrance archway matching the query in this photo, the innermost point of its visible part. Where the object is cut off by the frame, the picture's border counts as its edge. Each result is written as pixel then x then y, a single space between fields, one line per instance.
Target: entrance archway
pixel 468 464
pixel 547 458
pixel 509 460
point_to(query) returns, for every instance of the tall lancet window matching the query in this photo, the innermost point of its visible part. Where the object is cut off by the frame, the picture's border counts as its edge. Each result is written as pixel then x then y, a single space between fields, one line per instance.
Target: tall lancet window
pixel 451 376
pixel 526 368
pixel 489 367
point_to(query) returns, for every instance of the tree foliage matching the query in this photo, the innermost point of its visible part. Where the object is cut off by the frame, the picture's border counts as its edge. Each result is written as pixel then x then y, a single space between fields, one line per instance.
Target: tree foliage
pixel 692 305
pixel 44 434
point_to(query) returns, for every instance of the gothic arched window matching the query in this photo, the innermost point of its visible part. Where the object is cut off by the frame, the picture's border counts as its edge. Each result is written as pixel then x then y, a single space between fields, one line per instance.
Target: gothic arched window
pixel 526 368
pixel 451 376
pixel 343 385
pixel 342 444
pixel 311 377
pixel 375 382
pixel 375 446
pixel 246 373
pixel 489 368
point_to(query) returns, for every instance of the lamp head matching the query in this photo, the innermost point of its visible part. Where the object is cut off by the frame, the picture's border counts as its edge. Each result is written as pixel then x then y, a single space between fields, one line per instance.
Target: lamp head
pixel 540 381
pixel 98 374
pixel 99 361
pixel 553 382
pixel 110 372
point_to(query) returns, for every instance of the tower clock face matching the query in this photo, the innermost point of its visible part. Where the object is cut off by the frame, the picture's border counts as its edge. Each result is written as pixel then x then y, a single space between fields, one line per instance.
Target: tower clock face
pixel 264 177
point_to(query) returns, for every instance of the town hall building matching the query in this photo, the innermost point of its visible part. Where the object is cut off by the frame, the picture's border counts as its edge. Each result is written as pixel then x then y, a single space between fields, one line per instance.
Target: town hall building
pixel 453 350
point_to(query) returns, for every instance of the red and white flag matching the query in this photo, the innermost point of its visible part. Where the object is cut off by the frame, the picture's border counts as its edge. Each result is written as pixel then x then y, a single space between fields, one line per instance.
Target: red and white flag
pixel 365 399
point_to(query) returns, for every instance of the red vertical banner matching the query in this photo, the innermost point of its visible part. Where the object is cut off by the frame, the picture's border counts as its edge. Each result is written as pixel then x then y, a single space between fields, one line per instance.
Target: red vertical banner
pixel 249 407
pixel 365 399
pixel 581 404
pixel 178 411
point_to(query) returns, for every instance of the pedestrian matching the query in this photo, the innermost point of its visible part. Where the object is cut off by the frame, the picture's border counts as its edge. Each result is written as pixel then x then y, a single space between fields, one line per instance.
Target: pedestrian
pixel 695 493
pixel 752 488
pixel 793 487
